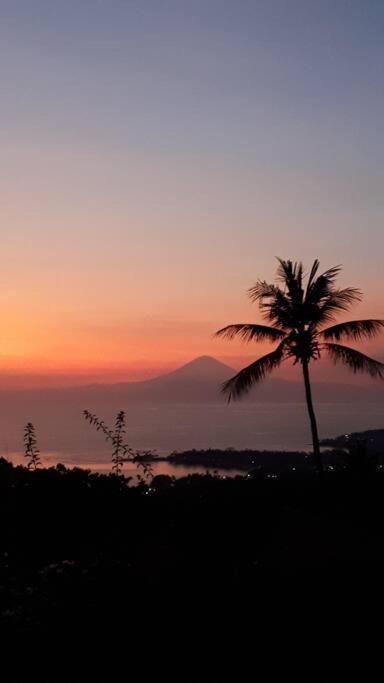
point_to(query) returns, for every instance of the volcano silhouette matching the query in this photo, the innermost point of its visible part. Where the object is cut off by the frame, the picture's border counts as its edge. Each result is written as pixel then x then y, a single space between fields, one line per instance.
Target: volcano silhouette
pixel 203 368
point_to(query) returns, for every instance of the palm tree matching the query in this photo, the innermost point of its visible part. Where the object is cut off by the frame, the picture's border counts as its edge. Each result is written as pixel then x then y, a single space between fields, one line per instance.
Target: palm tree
pixel 299 313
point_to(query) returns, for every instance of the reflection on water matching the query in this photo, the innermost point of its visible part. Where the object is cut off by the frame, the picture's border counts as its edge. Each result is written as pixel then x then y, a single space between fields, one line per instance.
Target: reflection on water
pixel 63 435
pixel 130 469
pixel 183 470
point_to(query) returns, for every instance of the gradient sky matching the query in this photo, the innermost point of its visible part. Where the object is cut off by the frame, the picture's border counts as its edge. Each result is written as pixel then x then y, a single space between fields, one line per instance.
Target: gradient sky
pixel 157 155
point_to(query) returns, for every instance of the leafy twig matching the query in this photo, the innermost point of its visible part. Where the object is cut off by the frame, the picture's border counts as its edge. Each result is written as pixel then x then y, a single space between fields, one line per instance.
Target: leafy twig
pixel 122 452
pixel 31 450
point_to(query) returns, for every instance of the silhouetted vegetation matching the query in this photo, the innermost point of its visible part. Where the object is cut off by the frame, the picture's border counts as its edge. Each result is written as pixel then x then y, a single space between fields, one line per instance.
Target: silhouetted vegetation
pixel 299 314
pixel 105 545
pixel 374 439
pixel 31 451
pixel 246 459
pixel 266 463
pixel 121 451
pixel 362 450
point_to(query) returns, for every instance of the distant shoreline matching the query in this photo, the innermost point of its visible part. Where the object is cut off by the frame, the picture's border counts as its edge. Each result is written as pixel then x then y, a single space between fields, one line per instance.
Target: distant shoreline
pixel 334 452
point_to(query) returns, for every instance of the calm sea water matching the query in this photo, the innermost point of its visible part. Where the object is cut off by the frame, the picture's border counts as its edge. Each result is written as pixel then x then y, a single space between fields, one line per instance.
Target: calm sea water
pixel 66 437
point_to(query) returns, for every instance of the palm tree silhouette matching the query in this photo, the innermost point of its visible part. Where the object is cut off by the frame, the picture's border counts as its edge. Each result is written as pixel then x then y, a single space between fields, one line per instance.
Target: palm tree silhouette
pixel 299 313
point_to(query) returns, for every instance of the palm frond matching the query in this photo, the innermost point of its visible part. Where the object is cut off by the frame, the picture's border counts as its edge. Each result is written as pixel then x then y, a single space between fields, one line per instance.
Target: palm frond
pixel 332 273
pixel 278 313
pixel 274 304
pixel 313 272
pixel 354 329
pixel 356 361
pixel 322 286
pixel 291 274
pixel 263 290
pixel 336 301
pixel 289 271
pixel 241 383
pixel 249 332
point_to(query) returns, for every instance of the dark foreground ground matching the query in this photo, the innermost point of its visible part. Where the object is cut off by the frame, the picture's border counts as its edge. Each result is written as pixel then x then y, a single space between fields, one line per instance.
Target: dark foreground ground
pixel 85 554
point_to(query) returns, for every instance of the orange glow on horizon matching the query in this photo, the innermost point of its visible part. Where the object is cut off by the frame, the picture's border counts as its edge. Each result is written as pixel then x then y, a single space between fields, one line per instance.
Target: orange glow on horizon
pixel 153 167
pixel 36 356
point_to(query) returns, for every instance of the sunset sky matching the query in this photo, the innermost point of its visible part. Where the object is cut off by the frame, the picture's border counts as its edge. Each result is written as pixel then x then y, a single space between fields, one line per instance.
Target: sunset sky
pixel 158 154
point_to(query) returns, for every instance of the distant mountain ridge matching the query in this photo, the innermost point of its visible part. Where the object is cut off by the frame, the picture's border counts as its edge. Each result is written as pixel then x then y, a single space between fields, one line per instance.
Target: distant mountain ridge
pixel 181 410
pixel 199 380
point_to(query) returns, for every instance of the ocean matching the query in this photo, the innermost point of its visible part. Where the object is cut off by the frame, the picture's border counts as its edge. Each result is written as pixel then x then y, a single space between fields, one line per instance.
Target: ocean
pixel 64 436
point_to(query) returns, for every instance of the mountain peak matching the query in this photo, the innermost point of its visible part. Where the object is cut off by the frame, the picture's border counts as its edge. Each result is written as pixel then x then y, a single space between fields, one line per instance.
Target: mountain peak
pixel 204 367
pixel 205 361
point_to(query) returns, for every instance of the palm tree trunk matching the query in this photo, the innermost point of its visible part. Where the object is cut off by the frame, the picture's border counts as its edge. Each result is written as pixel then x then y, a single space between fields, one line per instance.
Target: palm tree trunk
pixel 312 418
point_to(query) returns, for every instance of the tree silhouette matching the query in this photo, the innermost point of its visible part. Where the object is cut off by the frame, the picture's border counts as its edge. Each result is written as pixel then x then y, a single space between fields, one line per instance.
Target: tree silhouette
pixel 299 312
